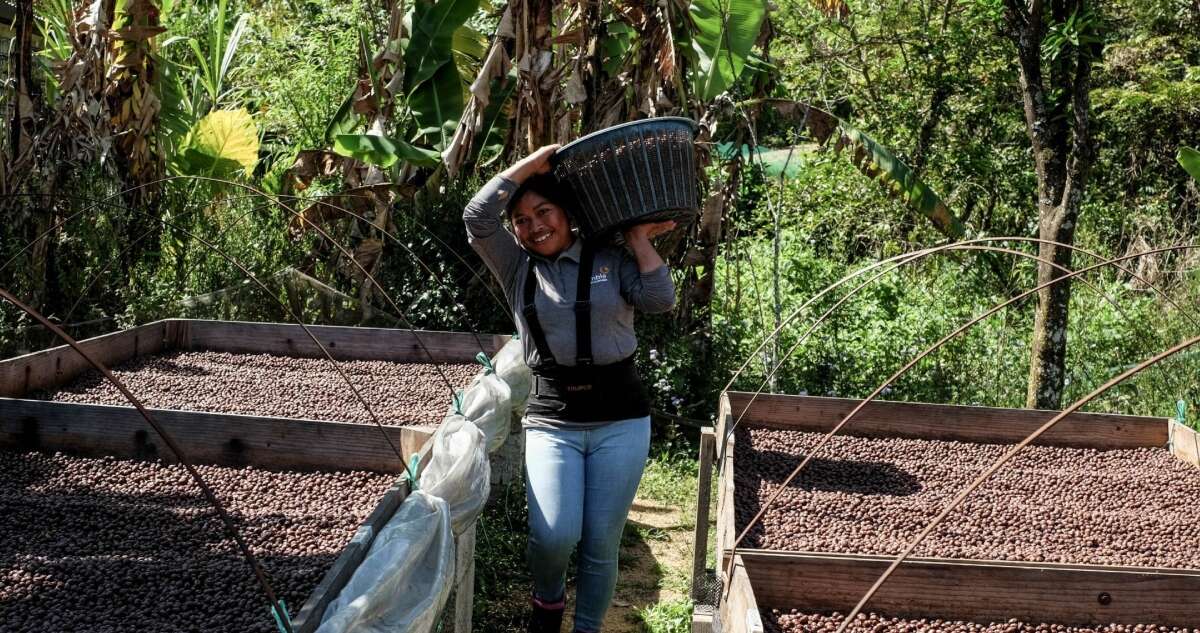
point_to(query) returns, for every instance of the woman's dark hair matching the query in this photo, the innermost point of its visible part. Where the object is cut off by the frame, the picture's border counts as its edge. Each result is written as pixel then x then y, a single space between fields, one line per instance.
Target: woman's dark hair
pixel 548 187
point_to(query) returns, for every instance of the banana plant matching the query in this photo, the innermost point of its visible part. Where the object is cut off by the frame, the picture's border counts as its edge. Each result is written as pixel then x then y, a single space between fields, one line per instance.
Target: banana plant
pixel 724 32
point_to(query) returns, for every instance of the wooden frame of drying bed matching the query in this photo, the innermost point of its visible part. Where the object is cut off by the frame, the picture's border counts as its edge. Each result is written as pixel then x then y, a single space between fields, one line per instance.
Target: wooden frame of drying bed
pixel 241 440
pixel 936 587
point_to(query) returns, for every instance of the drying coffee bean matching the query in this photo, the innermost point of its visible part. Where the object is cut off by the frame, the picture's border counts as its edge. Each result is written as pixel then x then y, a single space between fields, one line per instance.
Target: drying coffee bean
pixel 1049 504
pixel 277 386
pixel 119 545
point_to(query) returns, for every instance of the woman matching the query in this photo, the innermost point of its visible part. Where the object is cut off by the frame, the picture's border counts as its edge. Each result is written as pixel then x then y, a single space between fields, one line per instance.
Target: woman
pixel 587 428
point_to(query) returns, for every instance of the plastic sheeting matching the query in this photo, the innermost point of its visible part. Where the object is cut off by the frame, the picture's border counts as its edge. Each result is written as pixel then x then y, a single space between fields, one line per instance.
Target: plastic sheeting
pixel 403 582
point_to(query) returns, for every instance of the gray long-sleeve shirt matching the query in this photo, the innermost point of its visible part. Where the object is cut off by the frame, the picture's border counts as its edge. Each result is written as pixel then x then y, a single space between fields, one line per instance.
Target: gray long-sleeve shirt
pixel 617 285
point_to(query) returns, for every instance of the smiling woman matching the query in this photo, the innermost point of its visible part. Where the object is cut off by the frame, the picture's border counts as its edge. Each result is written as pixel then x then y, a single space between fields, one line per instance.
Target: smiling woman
pixel 587 428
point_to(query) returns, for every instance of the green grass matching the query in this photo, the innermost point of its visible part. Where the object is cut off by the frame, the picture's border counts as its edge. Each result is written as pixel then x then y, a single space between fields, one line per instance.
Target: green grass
pixel 670 475
pixel 673 616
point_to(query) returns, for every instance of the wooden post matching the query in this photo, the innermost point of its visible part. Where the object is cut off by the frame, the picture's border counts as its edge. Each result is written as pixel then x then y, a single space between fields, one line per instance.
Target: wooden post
pixel 739 609
pixel 703 493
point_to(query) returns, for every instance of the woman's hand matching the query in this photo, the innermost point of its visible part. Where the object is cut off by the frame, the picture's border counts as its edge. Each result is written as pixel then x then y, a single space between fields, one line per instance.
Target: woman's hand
pixel 648 231
pixel 536 163
pixel 638 238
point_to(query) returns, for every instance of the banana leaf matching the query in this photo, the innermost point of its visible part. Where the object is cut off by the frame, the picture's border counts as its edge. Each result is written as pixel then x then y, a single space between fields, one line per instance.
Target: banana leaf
pixel 437 105
pixel 383 151
pixel 725 32
pixel 431 43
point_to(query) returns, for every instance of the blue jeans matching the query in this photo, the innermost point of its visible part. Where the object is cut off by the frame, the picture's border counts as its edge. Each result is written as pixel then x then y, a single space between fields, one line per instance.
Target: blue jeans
pixel 580 486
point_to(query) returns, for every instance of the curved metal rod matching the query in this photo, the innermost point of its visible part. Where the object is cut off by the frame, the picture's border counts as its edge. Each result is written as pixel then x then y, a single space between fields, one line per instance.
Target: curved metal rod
pixel 824 440
pixel 958 499
pixel 729 432
pixel 230 526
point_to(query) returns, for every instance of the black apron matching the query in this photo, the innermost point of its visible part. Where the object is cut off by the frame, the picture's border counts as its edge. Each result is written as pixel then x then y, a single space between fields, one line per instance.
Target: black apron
pixel 585 392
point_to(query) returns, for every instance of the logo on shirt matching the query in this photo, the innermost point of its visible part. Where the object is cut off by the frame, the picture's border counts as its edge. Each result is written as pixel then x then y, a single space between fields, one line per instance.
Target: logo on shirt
pixel 601 276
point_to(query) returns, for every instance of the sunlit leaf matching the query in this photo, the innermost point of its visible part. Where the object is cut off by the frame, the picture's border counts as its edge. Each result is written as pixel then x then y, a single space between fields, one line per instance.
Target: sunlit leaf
pixel 221 143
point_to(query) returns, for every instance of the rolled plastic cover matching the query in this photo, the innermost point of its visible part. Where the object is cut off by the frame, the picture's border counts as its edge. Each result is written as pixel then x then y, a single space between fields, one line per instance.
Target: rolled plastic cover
pixel 511 368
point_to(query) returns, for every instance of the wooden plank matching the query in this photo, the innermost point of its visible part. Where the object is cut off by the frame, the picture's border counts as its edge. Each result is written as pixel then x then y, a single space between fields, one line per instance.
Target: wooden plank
pixel 208 438
pixel 702 618
pixel 708 447
pixel 738 610
pixel 57 366
pixel 1185 443
pixel 464 581
pixel 948 422
pixel 310 614
pixel 982 591
pixel 343 343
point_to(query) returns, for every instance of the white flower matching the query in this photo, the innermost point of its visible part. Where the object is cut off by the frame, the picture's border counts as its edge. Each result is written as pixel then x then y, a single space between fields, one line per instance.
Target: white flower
pixel 653 354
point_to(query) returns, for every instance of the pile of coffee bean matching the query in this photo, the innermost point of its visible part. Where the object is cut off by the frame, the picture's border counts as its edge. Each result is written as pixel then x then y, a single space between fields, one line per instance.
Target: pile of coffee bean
pixel 1049 504
pixel 277 386
pixel 775 621
pixel 120 545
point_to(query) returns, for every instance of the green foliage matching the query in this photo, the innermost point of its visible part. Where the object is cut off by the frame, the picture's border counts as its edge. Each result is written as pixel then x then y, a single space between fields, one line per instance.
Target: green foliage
pixel 674 616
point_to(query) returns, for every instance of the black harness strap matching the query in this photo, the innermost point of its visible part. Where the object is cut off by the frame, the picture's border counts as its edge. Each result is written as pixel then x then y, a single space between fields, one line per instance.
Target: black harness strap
pixel 583 312
pixel 583 308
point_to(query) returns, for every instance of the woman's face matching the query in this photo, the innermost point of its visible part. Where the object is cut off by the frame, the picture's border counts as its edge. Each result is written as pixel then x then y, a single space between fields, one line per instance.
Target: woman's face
pixel 540 225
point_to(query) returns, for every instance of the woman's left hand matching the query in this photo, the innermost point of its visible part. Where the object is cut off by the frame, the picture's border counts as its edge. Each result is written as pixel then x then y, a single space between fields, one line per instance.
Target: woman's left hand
pixel 648 231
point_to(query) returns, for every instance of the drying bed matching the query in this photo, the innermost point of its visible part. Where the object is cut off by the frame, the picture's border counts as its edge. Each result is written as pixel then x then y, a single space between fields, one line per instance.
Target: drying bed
pixel 313 554
pixel 1133 507
pixel 238 394
pixel 1092 526
pixel 111 544
pixel 278 386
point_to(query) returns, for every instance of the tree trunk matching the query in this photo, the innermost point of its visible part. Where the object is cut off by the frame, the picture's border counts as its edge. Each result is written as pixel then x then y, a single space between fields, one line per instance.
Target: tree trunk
pixel 1054 90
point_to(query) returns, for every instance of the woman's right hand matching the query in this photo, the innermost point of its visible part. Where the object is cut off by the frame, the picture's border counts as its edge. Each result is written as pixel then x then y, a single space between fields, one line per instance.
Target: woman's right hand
pixel 536 163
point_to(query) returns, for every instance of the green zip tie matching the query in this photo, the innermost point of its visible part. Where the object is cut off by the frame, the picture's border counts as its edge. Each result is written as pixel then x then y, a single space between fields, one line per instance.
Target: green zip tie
pixel 486 362
pixel 411 474
pixel 456 401
pixel 279 620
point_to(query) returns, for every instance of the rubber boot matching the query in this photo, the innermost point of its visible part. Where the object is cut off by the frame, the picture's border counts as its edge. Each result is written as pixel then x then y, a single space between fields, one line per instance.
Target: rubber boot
pixel 547 617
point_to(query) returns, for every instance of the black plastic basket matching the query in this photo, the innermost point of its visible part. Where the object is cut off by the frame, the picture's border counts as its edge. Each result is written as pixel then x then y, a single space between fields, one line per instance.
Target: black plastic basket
pixel 642 171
